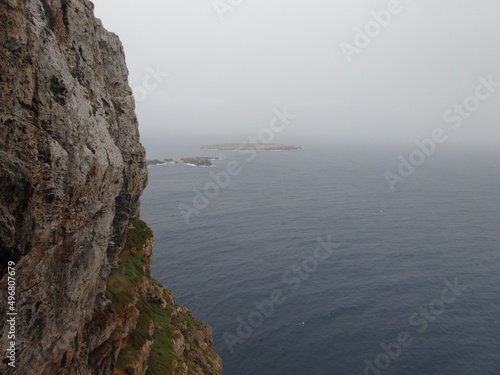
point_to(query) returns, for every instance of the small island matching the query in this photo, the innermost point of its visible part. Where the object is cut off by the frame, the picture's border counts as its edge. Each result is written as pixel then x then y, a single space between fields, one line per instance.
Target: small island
pixel 160 162
pixel 251 146
pixel 200 161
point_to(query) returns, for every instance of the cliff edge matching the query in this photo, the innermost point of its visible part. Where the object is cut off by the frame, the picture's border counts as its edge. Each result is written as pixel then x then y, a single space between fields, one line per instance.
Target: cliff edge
pixel 72 170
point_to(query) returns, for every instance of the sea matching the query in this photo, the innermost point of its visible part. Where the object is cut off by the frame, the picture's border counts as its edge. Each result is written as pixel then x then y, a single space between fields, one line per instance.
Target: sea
pixel 306 262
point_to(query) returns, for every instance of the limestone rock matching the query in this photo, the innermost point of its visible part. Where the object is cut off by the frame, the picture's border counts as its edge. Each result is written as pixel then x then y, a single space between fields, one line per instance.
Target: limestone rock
pixel 72 170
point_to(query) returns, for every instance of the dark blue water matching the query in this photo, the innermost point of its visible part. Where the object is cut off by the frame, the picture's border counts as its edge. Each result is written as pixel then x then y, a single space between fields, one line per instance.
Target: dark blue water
pixel 420 265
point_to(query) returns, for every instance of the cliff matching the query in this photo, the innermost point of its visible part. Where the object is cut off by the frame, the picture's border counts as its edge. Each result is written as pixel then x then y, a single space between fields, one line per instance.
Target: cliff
pixel 72 170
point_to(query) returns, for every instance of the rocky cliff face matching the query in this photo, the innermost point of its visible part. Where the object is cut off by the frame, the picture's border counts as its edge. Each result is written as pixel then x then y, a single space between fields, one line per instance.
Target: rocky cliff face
pixel 71 174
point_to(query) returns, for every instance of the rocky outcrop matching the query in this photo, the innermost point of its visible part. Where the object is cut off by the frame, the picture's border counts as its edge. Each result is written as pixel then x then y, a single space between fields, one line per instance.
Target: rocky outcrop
pixel 72 170
pixel 200 161
pixel 160 162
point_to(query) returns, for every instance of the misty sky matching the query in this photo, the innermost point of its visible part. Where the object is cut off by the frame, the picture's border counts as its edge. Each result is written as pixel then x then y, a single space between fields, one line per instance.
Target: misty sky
pixel 228 75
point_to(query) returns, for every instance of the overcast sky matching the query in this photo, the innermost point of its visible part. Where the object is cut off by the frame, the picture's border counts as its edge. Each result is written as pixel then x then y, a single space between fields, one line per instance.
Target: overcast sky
pixel 228 70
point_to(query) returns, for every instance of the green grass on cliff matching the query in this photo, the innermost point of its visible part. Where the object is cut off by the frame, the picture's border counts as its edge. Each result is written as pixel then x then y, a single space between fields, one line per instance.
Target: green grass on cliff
pixel 136 341
pixel 162 352
pixel 193 322
pixel 121 291
pixel 137 235
pixel 131 267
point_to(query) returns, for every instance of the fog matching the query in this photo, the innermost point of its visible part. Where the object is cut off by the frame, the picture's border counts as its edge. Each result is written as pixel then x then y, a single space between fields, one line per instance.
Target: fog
pixel 199 71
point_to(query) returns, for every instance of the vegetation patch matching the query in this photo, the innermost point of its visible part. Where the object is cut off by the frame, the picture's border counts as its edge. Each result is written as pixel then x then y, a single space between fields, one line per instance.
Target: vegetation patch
pixel 131 269
pixel 193 322
pixel 129 354
pixel 122 291
pixel 162 352
pixel 122 280
pixel 138 234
